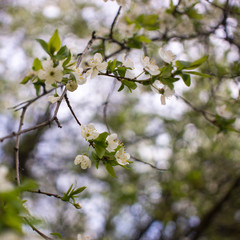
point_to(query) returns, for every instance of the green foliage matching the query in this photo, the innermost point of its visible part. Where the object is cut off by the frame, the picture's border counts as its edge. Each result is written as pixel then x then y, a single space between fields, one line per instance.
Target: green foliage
pixel 137 40
pixel 54 43
pixel 71 194
pixel 148 22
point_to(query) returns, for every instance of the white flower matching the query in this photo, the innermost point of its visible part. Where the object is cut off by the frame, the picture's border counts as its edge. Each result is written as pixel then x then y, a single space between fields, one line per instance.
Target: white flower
pixel 164 90
pixel 167 56
pixel 71 86
pixel 150 66
pixel 78 73
pixel 122 157
pixel 89 132
pixel 83 160
pixel 129 64
pixel 53 99
pixel 49 73
pixel 81 237
pixel 5 185
pixel 112 142
pixel 96 64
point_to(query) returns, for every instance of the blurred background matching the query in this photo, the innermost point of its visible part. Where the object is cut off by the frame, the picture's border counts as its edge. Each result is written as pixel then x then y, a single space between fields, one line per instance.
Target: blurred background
pixel 198 196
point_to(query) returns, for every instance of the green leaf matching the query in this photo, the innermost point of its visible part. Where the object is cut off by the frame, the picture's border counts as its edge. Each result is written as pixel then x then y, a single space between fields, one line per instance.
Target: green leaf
pixel 44 45
pixel 111 65
pixel 77 191
pixel 62 53
pixel 57 235
pixel 110 170
pixel 186 78
pixel 102 137
pixel 100 151
pixel 121 71
pixel 198 74
pixel 54 43
pixel 136 41
pixel 26 79
pixel 37 65
pixel 198 62
pixel 182 64
pixel 166 72
pixel 121 87
pixel 149 22
pixel 131 85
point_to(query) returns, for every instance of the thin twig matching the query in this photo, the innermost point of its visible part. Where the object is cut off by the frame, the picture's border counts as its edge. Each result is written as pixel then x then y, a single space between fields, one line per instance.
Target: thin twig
pixel 37 231
pixel 114 22
pixel 80 56
pixel 46 193
pixel 45 123
pixel 70 107
pixel 149 164
pixel 18 143
pixel 106 105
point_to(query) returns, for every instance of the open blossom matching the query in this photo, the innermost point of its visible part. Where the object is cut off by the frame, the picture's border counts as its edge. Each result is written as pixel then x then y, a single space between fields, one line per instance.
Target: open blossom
pixel 112 142
pixel 53 99
pixel 5 185
pixel 164 90
pixel 78 73
pixel 83 160
pixel 89 132
pixel 49 73
pixel 150 66
pixel 167 56
pixel 129 64
pixel 122 157
pixel 96 64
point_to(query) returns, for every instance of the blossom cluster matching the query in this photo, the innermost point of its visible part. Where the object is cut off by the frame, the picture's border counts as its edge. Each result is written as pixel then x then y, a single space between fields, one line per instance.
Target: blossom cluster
pixel 90 133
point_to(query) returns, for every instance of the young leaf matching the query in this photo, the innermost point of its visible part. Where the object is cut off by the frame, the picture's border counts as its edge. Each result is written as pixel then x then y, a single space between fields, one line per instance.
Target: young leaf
pixel 110 170
pixel 62 53
pixel 57 235
pixel 198 74
pixel 129 84
pixel 121 87
pixel 186 78
pixel 102 137
pixel 44 45
pixel 77 191
pixel 99 150
pixel 54 43
pixel 26 79
pixel 37 65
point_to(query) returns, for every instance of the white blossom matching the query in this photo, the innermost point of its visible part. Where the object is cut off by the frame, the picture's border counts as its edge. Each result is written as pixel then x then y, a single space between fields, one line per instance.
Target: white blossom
pixel 129 64
pixel 78 73
pixel 167 56
pixel 89 132
pixel 53 99
pixel 150 66
pixel 49 73
pixel 72 86
pixel 96 64
pixel 83 160
pixel 164 90
pixel 5 185
pixel 112 142
pixel 122 157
